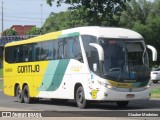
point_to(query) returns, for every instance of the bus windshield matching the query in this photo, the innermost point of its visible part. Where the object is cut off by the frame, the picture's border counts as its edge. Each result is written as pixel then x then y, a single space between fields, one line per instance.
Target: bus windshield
pixel 125 59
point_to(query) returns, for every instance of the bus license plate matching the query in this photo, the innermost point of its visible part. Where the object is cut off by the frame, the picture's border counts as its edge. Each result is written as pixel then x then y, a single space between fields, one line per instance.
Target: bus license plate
pixel 130 96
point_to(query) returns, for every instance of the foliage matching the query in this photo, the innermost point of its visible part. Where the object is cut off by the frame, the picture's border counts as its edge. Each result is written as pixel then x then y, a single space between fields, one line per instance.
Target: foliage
pixel 96 12
pixel 1 72
pixel 9 32
pixel 62 20
pixel 1 85
pixel 143 17
pixel 34 31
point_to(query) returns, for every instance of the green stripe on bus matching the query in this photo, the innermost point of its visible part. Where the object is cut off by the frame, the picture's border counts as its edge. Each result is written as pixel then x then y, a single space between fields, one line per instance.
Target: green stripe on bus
pixel 69 35
pixel 54 75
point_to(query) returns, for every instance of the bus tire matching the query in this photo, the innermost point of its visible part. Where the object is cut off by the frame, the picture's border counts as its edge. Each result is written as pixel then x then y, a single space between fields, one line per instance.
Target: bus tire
pixel 122 104
pixel 19 94
pixel 80 98
pixel 26 96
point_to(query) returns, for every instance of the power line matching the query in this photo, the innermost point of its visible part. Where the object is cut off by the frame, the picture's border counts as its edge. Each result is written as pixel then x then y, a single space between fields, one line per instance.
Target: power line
pixel 21 17
pixel 6 20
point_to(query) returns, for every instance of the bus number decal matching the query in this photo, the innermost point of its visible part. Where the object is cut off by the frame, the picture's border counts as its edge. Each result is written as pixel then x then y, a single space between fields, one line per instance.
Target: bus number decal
pixel 94 94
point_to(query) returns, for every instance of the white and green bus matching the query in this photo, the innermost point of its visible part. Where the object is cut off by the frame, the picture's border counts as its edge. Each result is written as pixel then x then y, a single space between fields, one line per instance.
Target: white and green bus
pixel 85 63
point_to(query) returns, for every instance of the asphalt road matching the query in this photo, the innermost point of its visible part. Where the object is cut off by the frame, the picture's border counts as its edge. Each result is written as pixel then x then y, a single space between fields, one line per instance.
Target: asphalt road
pixel 54 106
pixel 48 105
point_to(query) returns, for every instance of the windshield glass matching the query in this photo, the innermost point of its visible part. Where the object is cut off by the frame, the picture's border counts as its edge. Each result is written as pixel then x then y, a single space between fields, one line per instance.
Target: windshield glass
pixel 114 55
pixel 124 59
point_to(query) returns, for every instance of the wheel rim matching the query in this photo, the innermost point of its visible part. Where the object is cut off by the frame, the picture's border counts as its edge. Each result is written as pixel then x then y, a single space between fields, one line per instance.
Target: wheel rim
pixel 18 94
pixel 81 97
pixel 26 95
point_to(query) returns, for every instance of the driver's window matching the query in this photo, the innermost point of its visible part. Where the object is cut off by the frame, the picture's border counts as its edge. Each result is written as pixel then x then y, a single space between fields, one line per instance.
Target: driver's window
pixel 91 52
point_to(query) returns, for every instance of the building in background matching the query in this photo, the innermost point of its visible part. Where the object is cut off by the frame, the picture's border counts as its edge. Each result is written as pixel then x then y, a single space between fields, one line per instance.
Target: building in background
pixel 22 30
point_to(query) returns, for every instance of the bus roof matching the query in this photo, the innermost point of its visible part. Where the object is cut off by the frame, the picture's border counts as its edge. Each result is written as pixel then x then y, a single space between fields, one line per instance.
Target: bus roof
pixel 105 32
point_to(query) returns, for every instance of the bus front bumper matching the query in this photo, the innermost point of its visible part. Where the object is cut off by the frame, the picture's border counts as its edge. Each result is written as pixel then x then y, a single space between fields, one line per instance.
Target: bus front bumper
pixel 114 95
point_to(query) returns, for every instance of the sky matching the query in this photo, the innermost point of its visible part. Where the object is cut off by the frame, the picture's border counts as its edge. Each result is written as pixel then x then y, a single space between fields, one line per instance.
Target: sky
pixel 26 12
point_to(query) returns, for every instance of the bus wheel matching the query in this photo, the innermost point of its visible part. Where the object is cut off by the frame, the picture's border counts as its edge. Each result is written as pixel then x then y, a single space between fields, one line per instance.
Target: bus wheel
pixel 19 94
pixel 26 95
pixel 122 104
pixel 80 98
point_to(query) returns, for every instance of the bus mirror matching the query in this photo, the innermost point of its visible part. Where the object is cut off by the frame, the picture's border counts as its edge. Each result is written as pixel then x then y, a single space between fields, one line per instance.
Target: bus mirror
pixel 99 49
pixel 154 52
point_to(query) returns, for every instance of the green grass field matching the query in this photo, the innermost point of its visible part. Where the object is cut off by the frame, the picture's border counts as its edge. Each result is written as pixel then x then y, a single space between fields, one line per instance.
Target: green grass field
pixel 155 93
pixel 1 85
pixel 1 73
pixel 1 82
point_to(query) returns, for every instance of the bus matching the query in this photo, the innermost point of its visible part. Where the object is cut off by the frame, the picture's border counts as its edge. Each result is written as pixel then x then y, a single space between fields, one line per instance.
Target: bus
pixel 85 64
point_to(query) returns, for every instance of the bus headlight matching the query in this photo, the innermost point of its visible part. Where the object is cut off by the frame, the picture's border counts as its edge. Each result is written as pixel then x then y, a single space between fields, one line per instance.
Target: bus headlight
pixel 106 85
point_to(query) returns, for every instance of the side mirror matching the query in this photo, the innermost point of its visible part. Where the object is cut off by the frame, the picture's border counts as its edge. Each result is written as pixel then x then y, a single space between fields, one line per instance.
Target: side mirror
pixel 154 52
pixel 99 49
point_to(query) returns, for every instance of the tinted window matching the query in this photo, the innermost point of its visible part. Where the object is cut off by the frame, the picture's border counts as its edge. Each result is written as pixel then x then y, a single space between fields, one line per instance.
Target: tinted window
pixel 60 49
pixel 91 52
pixel 9 54
pixel 72 49
pixel 37 49
pixel 68 48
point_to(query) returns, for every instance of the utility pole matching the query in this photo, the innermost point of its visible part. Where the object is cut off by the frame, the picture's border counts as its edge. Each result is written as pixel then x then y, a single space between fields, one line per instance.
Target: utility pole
pixel 2 16
pixel 41 14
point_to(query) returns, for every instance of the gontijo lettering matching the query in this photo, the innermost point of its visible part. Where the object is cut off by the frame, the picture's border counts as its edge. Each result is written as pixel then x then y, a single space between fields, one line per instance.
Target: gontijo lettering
pixel 28 69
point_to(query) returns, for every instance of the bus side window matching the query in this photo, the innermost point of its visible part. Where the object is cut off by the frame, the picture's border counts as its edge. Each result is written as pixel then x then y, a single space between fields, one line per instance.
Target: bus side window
pixel 72 49
pixel 9 54
pixel 15 56
pixel 55 49
pixel 76 50
pixel 20 53
pixel 25 53
pixel 31 52
pixel 47 50
pixel 60 49
pixel 37 51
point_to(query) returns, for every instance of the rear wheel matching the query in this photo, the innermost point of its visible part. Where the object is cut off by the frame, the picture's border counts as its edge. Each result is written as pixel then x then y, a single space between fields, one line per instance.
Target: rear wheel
pixel 19 94
pixel 122 104
pixel 26 96
pixel 80 98
pixel 155 81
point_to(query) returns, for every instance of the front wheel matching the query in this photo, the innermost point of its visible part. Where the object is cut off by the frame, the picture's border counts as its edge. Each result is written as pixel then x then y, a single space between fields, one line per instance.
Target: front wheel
pixel 80 98
pixel 122 104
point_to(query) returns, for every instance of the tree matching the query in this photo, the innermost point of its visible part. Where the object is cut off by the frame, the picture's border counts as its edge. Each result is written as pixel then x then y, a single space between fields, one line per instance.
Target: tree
pixel 136 11
pixel 34 31
pixel 62 20
pixel 9 32
pixel 96 12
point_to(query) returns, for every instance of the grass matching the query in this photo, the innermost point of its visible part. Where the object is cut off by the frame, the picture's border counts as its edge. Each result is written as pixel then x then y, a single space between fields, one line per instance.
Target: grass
pixel 1 85
pixel 1 73
pixel 1 81
pixel 155 93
